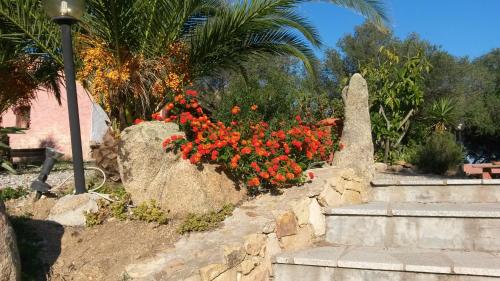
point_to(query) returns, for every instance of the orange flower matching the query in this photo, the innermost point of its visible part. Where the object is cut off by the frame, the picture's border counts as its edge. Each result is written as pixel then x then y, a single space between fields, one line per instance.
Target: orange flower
pixel 264 175
pixel 254 107
pixel 192 93
pixel 253 182
pixel 235 110
pixel 246 150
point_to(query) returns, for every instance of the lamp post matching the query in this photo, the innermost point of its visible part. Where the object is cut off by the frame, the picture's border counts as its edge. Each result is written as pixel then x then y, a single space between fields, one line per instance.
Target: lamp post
pixel 67 13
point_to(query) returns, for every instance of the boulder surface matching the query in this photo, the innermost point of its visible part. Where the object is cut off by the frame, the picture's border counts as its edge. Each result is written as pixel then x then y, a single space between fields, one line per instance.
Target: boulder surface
pixel 356 139
pixel 149 173
pixel 10 264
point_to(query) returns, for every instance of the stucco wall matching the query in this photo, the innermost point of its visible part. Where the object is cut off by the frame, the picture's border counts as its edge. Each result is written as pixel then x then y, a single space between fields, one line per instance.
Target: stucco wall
pixel 49 123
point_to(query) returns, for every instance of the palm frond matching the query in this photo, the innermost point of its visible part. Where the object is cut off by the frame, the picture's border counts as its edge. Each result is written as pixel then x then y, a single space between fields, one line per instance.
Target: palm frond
pixel 247 29
pixel 373 10
pixel 23 22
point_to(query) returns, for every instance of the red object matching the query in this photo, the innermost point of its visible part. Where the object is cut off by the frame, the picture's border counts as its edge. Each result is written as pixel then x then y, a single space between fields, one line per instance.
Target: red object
pixel 486 170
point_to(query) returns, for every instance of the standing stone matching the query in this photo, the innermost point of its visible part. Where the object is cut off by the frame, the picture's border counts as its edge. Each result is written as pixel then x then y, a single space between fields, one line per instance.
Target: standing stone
pixel 357 134
pixel 10 264
pixel 148 172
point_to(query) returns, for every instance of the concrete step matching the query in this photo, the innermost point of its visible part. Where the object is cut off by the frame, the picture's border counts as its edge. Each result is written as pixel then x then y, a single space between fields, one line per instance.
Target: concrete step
pixel 381 264
pixel 460 226
pixel 428 193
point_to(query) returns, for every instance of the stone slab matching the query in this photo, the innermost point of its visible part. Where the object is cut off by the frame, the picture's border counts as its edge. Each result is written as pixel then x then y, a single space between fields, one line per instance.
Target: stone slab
pixel 436 194
pixel 463 233
pixel 451 263
pixel 463 181
pixel 408 209
pixel 491 181
pixel 368 209
pixel 322 256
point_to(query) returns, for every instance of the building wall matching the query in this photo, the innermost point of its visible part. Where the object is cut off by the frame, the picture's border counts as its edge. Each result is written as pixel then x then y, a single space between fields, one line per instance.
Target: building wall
pixel 49 123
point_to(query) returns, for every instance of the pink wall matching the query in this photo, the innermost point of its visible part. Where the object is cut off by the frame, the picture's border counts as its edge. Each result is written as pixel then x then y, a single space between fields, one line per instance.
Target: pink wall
pixel 49 124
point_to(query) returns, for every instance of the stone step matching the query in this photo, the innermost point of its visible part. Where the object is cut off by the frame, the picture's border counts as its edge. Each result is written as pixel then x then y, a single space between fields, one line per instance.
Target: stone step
pixel 380 264
pixel 470 193
pixel 460 226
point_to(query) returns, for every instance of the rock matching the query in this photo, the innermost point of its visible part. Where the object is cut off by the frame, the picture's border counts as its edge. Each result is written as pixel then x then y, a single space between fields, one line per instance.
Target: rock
pixel 351 197
pixel 148 172
pixel 301 240
pixel 70 210
pixel 234 254
pixel 330 197
pixel 357 134
pixel 10 263
pixel 254 243
pixel 301 210
pixel 286 224
pixel 229 275
pixel 269 227
pixel 211 271
pixel 272 248
pixel 261 273
pixel 248 265
pixel 380 167
pixel 316 218
pixel 308 211
pixel 395 168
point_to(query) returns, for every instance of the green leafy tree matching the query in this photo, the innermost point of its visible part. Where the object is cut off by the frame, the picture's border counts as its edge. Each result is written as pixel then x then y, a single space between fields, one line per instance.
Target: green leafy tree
pixel 396 87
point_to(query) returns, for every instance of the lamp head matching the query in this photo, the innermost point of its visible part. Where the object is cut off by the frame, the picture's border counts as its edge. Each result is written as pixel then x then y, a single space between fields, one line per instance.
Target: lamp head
pixel 64 10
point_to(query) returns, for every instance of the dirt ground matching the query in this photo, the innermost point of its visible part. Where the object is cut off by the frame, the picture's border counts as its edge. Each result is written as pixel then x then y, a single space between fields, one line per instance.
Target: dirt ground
pixel 52 252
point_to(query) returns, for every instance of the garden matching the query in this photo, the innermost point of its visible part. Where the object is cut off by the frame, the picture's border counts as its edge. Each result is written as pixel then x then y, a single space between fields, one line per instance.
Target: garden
pixel 214 107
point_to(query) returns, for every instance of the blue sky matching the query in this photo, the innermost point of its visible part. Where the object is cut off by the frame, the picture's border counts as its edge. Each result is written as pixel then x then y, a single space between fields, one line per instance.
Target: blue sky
pixel 462 27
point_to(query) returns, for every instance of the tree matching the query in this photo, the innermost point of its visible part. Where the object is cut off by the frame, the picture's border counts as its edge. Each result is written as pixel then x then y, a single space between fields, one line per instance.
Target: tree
pixel 396 87
pixel 135 53
pixel 442 115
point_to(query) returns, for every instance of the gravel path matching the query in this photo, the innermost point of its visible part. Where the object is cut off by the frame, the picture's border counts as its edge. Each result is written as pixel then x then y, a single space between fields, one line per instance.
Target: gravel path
pixel 55 178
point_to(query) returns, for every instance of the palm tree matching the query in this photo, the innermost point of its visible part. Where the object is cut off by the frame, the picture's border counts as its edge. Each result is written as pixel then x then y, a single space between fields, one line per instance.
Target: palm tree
pixel 137 37
pixel 442 114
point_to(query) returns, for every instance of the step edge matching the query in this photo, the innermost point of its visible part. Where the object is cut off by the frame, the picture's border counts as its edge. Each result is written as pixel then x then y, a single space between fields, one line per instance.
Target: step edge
pixel 388 266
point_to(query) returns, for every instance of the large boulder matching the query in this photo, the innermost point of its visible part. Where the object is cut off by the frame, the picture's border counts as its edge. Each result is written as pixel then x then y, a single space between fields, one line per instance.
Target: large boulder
pixel 148 172
pixel 10 264
pixel 356 139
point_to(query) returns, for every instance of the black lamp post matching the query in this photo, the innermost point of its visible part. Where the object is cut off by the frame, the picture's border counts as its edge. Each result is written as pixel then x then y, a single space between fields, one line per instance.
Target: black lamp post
pixel 66 13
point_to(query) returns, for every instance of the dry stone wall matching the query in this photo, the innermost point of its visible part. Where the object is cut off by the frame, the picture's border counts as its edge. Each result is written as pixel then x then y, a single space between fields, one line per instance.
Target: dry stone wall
pixel 258 230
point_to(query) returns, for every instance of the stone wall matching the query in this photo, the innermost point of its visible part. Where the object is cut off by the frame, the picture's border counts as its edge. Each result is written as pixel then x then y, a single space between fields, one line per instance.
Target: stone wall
pixel 259 229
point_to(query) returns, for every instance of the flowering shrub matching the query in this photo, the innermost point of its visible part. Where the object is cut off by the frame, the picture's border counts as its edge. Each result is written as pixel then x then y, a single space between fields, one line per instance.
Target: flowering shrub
pixel 251 151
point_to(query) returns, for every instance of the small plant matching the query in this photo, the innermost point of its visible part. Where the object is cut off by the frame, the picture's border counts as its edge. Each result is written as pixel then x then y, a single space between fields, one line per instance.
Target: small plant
pixel 10 193
pixel 149 211
pixel 205 222
pixel 119 208
pixel 439 154
pixel 97 218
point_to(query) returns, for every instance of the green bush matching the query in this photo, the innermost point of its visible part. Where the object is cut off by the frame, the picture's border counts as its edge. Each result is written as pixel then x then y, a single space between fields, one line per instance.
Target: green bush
pixel 9 193
pixel 439 154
